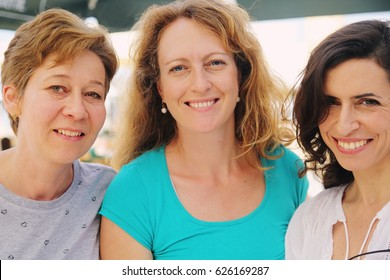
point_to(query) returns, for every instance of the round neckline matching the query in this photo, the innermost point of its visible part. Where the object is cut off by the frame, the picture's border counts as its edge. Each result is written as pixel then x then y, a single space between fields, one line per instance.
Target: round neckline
pixel 168 182
pixel 45 204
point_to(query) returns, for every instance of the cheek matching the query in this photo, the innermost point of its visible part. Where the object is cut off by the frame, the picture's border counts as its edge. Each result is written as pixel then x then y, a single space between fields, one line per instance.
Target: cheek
pixel 330 120
pixel 325 127
pixel 172 91
pixel 323 133
pixel 98 116
pixel 32 110
pixel 231 83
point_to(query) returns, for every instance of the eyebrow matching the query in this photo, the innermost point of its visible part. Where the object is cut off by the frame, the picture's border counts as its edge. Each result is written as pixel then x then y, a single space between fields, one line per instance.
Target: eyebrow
pixel 369 94
pixel 96 82
pixel 207 56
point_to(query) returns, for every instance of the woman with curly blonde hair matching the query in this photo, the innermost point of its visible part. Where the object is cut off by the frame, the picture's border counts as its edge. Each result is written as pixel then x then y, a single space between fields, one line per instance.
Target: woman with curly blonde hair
pixel 203 173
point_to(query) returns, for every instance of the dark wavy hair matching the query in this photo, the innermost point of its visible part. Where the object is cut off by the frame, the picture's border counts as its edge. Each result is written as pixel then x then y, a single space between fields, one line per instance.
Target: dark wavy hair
pixel 369 39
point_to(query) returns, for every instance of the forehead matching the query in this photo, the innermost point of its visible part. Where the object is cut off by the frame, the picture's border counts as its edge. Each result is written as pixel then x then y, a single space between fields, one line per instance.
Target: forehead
pixel 53 60
pixel 85 68
pixel 357 76
pixel 185 34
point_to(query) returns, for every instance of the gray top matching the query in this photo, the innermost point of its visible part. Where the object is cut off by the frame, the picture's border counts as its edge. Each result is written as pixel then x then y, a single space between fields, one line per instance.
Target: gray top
pixel 64 228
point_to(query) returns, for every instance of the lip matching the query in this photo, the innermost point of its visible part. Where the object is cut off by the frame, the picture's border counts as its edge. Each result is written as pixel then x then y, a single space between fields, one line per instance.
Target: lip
pixel 202 104
pixel 69 133
pixel 351 146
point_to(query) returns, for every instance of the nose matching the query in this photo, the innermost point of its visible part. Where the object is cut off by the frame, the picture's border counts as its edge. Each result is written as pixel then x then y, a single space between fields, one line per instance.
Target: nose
pixel 200 80
pixel 74 107
pixel 347 120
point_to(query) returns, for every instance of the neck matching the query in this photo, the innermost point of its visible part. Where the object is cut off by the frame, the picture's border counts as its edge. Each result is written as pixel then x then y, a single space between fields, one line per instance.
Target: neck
pixel 34 179
pixel 369 192
pixel 206 154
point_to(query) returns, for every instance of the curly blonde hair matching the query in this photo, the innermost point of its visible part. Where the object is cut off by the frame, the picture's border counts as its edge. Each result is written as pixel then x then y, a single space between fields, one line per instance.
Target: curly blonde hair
pixel 257 115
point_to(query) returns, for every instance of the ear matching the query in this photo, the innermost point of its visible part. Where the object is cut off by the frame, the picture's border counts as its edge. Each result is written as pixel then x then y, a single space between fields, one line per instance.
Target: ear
pixel 11 99
pixel 159 89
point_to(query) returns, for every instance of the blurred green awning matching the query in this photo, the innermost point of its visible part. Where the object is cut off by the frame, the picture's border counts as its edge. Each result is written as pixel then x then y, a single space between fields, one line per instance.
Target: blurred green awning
pixel 120 15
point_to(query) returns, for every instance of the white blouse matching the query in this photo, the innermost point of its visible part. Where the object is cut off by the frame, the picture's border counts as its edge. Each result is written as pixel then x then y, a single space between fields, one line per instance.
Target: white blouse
pixel 309 234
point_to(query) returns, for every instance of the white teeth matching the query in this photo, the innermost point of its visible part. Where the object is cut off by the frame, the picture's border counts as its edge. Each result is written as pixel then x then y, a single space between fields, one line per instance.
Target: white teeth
pixel 352 145
pixel 69 133
pixel 202 104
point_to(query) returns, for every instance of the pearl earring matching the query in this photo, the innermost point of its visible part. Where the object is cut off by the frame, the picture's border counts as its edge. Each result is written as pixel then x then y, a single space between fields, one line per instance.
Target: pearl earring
pixel 164 109
pixel 238 99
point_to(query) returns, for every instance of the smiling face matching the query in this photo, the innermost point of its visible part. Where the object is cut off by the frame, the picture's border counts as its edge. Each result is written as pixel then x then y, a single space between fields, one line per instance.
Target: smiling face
pixel 198 77
pixel 357 129
pixel 62 109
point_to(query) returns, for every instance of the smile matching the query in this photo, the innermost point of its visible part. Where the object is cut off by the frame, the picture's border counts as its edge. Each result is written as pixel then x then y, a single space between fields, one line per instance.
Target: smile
pixel 352 145
pixel 203 104
pixel 69 133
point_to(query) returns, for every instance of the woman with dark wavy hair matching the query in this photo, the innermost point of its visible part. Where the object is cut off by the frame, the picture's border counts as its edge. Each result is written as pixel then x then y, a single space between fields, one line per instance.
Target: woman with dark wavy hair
pixel 342 115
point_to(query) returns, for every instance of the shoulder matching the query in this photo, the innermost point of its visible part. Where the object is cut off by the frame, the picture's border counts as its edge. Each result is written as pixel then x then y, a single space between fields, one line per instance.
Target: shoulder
pixel 311 222
pixel 282 153
pixel 329 196
pixel 324 202
pixel 285 160
pixel 147 162
pixel 282 173
pixel 290 156
pixel 97 168
pixel 139 182
pixel 146 169
pixel 95 174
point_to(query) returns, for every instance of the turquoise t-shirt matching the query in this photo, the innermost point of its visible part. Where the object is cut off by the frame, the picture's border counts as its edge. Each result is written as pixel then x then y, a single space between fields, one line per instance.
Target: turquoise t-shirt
pixel 142 201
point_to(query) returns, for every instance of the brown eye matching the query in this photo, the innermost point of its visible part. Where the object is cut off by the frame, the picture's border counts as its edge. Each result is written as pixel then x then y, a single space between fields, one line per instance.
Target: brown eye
pixel 369 102
pixel 331 101
pixel 94 95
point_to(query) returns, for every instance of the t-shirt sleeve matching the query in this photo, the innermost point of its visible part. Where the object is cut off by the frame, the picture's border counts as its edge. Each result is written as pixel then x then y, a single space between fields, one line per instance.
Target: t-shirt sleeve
pixel 127 204
pixel 302 184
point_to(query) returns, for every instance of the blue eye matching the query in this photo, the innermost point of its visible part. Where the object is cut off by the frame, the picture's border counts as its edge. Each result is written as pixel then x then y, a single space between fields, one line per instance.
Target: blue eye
pixel 177 68
pixel 217 62
pixel 57 89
